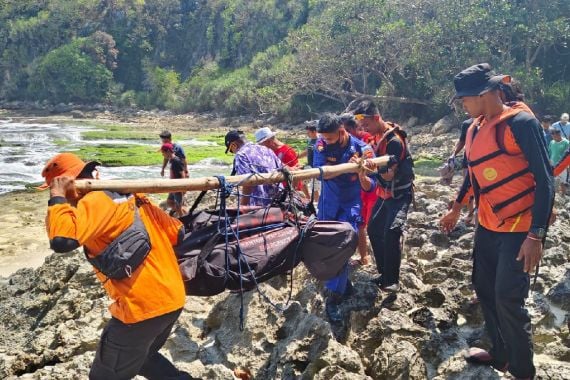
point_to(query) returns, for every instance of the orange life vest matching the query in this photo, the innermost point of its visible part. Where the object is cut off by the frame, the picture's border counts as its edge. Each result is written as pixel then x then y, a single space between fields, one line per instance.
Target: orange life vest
pixel 404 176
pixel 496 164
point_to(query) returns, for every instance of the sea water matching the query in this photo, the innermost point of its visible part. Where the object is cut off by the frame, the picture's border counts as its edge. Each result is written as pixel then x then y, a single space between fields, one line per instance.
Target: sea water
pixel 27 144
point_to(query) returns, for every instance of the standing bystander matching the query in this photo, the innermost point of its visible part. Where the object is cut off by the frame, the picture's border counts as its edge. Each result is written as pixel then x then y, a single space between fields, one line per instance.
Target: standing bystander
pixel 511 178
pixel 175 201
pixel 166 138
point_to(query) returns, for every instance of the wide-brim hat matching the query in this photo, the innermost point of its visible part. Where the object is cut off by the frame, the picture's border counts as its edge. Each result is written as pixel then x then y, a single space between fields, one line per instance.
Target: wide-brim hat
pixel 65 164
pixel 477 80
pixel 263 134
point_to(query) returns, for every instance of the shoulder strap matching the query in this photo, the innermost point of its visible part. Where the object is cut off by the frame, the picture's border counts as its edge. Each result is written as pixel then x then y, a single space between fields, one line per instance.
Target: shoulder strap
pixel 562 130
pixel 399 134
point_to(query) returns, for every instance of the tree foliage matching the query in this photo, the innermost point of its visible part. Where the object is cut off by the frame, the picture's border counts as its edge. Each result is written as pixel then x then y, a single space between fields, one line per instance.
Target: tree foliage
pixel 287 57
pixel 72 73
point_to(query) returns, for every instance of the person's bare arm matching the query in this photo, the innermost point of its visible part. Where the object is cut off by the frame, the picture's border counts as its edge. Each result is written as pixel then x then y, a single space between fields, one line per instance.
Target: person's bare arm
pixel 164 162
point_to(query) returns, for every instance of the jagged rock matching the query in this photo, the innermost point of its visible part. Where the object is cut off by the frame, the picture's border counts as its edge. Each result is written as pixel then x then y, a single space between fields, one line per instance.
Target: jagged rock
pixel 560 293
pixel 439 239
pixel 427 252
pixel 62 108
pixel 338 356
pixel 338 373
pixel 76 114
pixel 557 255
pixel 412 121
pixel 445 125
pixel 416 238
pixel 434 297
pixel 466 240
pixel 397 359
pixel 51 318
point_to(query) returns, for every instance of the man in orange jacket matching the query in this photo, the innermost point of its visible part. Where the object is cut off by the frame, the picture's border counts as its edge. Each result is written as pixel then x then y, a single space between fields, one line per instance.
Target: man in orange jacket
pixel 149 297
pixel 511 178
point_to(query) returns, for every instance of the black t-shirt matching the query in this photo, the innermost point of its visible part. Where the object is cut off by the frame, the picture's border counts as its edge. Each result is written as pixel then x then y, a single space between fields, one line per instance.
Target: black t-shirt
pixel 310 150
pixel 464 127
pixel 176 167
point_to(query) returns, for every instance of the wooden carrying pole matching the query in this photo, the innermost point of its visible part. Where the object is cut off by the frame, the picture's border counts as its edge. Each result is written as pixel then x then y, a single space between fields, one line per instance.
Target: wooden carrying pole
pixel 209 183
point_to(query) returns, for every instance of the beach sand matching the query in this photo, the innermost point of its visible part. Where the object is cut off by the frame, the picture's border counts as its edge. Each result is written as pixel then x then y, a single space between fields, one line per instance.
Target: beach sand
pixel 23 238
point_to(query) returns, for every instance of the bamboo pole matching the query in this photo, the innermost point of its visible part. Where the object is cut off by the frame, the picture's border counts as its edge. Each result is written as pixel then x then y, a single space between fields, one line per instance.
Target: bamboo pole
pixel 209 183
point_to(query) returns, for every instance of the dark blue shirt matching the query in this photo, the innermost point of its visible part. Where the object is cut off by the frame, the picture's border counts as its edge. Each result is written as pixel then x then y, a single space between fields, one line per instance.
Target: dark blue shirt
pixel 345 187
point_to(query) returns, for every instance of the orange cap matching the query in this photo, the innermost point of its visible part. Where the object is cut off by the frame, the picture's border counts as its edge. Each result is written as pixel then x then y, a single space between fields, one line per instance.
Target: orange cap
pixel 64 164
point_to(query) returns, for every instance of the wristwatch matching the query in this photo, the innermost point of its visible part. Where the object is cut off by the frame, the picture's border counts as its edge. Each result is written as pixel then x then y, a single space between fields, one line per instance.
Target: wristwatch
pixel 538 232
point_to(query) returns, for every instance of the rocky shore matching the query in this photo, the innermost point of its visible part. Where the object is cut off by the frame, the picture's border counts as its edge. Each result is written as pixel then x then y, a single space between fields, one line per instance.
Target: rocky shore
pixel 51 317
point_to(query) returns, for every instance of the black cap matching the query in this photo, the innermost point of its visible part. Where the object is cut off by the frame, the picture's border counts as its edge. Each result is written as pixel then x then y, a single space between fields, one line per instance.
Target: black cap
pixel 165 135
pixel 476 80
pixel 328 123
pixel 232 136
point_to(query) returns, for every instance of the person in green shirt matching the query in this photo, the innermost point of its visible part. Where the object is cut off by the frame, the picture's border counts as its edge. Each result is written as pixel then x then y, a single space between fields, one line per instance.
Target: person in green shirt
pixel 557 148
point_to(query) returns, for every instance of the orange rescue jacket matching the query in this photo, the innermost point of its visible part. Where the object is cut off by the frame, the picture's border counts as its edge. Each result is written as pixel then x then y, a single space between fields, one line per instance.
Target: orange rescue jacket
pixel 498 166
pixel 403 179
pixel 155 287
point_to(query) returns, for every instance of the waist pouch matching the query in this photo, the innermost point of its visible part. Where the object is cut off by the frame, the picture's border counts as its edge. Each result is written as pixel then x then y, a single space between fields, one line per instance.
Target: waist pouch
pixel 124 254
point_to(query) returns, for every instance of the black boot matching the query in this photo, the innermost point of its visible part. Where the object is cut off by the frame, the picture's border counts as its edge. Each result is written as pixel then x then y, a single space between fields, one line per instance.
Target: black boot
pixel 332 307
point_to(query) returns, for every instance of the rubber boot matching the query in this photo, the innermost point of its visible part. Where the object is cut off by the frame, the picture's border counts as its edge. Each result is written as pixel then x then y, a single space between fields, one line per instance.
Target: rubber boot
pixel 332 307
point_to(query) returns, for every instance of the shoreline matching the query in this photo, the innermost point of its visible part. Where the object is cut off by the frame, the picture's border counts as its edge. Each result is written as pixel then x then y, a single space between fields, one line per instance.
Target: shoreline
pixel 23 239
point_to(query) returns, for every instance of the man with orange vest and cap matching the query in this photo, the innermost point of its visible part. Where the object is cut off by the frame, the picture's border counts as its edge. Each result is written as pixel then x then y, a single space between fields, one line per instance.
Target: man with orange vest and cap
pixel 393 185
pixel 129 242
pixel 511 178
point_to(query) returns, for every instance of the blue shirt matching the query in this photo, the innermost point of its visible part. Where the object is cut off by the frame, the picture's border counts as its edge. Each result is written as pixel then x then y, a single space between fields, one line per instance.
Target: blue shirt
pixel 178 151
pixel 340 196
pixel 547 139
pixel 310 151
pixel 565 129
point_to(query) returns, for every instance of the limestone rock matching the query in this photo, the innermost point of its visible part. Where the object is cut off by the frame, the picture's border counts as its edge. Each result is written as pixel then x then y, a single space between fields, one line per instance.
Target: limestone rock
pixel 445 125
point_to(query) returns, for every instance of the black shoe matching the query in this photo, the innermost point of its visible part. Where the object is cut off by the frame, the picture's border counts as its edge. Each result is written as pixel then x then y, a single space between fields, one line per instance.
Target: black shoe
pixel 332 308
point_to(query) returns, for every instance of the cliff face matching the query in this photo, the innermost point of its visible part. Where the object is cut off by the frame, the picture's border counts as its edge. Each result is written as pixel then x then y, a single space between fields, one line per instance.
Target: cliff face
pixel 51 317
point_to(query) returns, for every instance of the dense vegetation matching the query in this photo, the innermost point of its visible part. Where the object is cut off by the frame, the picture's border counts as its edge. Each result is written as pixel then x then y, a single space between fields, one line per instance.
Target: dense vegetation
pixel 285 57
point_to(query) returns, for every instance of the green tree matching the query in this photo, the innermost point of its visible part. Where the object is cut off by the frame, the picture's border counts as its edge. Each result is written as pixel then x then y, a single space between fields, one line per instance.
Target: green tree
pixel 69 74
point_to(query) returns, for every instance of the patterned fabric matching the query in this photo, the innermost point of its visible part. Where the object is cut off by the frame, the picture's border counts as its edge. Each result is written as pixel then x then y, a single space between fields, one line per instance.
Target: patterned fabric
pixel 252 158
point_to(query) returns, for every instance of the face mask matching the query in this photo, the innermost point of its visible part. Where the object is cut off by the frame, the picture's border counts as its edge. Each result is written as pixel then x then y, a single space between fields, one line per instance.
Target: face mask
pixel 336 145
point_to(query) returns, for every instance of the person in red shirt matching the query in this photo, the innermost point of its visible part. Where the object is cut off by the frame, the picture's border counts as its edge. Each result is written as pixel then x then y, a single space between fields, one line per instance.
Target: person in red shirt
pixel 368 198
pixel 288 156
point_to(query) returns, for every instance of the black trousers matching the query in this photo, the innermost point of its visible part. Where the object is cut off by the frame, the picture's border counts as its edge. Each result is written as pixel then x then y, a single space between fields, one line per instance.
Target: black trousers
pixel 502 287
pixel 127 350
pixel 385 232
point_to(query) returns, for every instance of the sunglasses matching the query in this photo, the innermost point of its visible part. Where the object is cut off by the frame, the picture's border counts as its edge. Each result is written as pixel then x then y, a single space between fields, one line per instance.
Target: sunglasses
pixel 361 116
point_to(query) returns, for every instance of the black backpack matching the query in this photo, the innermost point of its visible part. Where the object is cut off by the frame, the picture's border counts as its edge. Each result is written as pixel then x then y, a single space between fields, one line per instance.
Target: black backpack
pixel 126 253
